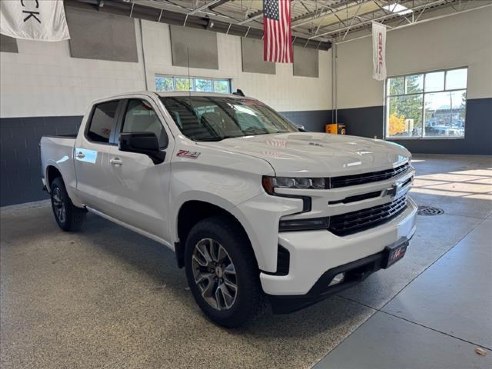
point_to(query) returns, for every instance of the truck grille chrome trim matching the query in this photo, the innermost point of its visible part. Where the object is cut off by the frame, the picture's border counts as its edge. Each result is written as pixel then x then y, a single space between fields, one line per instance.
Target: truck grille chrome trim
pixel 359 179
pixel 357 221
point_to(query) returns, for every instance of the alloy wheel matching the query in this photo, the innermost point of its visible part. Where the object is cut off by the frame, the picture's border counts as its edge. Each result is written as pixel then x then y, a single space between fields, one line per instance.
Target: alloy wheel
pixel 59 205
pixel 214 274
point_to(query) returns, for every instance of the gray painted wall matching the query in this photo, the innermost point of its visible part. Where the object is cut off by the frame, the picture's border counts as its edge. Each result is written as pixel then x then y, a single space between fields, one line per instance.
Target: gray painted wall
pixel 20 159
pixel 101 36
pixel 194 48
pixel 252 57
pixel 306 63
pixel 313 120
pixel 8 44
pixel 366 122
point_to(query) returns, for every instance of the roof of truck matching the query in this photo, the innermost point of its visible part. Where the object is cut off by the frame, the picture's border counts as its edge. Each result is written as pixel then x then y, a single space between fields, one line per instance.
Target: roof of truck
pixel 167 94
pixel 175 93
pixel 187 93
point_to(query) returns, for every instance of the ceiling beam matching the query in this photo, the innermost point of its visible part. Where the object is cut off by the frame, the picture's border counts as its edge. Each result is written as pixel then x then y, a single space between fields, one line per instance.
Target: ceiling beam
pixel 381 18
pixel 217 4
pixel 252 17
pixel 204 6
pixel 193 21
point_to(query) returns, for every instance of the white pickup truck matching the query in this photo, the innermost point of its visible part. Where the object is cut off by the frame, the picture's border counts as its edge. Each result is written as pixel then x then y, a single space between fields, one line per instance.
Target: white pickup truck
pixel 256 210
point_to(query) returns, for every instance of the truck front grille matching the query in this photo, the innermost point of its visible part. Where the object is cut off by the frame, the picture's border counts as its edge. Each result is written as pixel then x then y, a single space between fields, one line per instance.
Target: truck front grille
pixel 357 221
pixel 359 179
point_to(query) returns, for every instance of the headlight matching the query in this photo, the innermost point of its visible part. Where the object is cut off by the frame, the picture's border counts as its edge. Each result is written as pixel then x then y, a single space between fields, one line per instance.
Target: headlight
pixel 270 183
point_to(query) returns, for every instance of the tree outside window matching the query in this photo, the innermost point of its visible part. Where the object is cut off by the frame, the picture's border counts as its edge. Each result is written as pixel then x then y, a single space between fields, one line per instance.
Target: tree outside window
pixel 428 105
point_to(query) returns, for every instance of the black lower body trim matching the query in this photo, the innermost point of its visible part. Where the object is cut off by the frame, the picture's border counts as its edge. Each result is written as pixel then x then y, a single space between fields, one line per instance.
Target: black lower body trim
pixel 355 272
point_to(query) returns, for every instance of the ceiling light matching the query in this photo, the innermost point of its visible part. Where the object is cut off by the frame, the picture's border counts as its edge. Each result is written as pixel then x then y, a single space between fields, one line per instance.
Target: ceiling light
pixel 398 8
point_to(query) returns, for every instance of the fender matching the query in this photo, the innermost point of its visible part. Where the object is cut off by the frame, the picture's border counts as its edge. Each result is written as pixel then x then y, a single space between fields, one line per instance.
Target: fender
pixel 69 186
pixel 223 204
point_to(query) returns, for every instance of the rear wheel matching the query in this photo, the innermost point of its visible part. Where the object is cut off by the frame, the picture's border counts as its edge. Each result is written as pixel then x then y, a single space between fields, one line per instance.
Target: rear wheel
pixel 67 215
pixel 222 272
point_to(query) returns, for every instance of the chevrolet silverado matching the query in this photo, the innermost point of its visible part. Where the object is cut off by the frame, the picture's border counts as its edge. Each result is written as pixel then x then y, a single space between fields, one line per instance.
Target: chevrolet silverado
pixel 257 211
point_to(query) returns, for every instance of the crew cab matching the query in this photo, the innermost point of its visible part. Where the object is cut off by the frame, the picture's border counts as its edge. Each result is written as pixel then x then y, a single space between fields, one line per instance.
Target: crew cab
pixel 257 211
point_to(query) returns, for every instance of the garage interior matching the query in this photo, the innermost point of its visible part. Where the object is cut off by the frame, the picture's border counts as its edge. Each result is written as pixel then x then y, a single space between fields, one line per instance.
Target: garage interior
pixel 108 297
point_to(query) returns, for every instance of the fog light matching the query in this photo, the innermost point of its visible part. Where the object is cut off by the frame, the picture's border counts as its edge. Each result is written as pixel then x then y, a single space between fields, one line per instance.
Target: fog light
pixel 337 279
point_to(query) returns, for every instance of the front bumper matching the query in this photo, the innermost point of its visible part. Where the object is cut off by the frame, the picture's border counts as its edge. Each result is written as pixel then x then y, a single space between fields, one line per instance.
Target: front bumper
pixel 315 253
pixel 354 272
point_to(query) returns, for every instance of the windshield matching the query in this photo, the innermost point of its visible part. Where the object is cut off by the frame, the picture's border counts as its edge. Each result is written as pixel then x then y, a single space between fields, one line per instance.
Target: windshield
pixel 206 118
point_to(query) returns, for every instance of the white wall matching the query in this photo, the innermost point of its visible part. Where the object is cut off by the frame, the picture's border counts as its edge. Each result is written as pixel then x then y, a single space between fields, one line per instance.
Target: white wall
pixel 460 40
pixel 282 91
pixel 43 80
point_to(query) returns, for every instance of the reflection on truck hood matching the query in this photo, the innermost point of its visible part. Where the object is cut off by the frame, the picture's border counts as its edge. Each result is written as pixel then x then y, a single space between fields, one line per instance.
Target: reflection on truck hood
pixel 318 154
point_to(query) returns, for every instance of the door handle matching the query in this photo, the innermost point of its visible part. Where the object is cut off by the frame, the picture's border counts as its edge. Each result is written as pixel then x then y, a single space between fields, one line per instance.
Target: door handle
pixel 80 155
pixel 116 161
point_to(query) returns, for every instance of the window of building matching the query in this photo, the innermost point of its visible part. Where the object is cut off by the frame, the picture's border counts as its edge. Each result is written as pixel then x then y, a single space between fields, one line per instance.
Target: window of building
pixel 427 105
pixel 199 84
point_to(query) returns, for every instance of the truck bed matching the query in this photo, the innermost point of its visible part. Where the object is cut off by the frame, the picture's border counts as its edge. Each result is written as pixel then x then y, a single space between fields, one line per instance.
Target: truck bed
pixel 70 135
pixel 57 151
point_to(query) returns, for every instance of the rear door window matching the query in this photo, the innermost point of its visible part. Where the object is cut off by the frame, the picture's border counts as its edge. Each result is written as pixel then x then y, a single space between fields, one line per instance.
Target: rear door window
pixel 102 122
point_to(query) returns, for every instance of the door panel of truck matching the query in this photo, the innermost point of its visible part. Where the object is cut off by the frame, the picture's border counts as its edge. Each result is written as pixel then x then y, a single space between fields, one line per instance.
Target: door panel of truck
pixel 91 152
pixel 140 187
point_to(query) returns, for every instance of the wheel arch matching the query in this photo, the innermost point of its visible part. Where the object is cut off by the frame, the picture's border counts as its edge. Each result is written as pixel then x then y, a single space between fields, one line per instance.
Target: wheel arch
pixel 52 172
pixel 193 211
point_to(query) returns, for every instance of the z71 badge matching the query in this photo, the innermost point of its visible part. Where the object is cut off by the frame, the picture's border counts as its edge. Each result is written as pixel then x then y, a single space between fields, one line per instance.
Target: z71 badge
pixel 188 154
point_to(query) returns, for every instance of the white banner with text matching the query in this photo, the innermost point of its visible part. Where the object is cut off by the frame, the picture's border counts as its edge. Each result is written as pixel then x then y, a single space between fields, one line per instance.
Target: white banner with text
pixel 41 20
pixel 379 51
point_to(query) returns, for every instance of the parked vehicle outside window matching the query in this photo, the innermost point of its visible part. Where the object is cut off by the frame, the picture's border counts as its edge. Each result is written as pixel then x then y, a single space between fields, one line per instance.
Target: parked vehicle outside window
pixel 427 105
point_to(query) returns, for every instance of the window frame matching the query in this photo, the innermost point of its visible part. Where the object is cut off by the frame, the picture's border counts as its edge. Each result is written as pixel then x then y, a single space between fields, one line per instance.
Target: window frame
pixel 114 125
pixel 423 93
pixel 118 128
pixel 193 82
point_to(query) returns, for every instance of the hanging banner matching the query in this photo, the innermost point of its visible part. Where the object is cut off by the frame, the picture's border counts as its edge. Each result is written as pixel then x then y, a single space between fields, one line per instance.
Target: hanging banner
pixel 42 20
pixel 379 51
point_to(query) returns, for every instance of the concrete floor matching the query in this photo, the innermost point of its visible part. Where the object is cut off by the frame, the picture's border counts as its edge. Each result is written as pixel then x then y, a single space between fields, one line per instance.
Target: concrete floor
pixel 106 297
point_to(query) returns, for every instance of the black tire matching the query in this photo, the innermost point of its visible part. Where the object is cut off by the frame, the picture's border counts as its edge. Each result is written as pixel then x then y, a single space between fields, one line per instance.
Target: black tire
pixel 68 217
pixel 249 299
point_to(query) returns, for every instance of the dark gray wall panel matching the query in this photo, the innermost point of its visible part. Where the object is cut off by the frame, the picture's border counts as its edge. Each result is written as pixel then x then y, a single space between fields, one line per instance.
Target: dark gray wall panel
pixel 199 46
pixel 366 122
pixel 8 44
pixel 478 134
pixel 252 57
pixel 369 122
pixel 306 63
pixel 101 36
pixel 312 120
pixel 20 160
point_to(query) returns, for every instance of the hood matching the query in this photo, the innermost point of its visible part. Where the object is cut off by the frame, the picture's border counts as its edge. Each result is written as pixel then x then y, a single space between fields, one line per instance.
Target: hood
pixel 302 154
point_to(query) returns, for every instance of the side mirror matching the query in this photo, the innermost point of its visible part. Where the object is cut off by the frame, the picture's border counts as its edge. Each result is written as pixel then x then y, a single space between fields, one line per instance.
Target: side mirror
pixel 301 128
pixel 142 143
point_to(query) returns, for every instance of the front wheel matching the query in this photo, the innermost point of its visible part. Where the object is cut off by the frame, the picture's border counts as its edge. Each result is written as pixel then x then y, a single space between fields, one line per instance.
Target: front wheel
pixel 67 215
pixel 222 272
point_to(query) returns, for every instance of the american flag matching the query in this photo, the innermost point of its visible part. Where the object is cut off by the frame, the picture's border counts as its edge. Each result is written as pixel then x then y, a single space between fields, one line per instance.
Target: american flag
pixel 277 33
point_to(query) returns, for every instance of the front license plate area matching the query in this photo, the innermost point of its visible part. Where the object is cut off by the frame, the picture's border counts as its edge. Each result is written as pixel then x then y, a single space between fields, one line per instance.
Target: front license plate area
pixel 394 253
